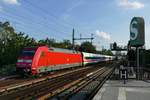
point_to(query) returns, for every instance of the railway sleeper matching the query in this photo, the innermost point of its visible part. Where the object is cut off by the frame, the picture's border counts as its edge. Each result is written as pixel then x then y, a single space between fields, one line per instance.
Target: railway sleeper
pixel 74 88
pixel 78 87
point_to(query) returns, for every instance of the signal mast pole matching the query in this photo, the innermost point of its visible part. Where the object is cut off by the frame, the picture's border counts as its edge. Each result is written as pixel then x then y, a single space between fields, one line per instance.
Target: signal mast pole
pixel 73 39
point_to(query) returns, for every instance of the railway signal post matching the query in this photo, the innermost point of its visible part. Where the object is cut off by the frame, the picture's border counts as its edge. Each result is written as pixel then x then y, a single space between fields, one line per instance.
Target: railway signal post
pixel 137 39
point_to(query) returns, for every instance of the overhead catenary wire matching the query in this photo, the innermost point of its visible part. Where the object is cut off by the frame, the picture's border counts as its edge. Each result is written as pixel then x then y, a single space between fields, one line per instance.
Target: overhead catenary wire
pixel 21 25
pixel 50 14
pixel 53 19
pixel 40 23
pixel 20 17
pixel 44 18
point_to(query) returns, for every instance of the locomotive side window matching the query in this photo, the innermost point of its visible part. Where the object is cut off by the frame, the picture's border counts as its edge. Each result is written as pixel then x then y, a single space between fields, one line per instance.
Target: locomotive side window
pixel 92 57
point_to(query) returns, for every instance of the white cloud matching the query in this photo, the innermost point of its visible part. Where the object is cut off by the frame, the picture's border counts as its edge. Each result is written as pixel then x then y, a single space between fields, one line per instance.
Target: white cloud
pixel 103 35
pixel 13 2
pixel 130 4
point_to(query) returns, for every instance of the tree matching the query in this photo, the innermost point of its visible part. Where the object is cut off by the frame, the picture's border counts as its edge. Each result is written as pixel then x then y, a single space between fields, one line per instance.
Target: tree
pixel 48 42
pixel 11 43
pixel 66 44
pixel 106 52
pixel 87 47
pixel 6 34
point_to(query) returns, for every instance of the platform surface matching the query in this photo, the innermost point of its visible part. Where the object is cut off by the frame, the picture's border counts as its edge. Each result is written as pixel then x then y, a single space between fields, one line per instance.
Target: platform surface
pixel 117 90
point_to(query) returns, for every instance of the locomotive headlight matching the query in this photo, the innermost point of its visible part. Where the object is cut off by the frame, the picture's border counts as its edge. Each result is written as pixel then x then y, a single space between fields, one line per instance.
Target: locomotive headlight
pixel 28 70
pixel 20 60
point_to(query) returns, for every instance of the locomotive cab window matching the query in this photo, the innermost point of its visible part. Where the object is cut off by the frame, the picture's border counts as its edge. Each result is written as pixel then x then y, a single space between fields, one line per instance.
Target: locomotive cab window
pixel 27 53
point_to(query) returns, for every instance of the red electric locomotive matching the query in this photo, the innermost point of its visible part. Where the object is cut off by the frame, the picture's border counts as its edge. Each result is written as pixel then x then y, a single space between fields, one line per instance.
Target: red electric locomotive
pixel 36 60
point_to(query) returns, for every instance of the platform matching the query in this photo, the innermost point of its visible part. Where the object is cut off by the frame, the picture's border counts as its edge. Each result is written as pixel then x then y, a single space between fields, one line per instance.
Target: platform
pixel 117 90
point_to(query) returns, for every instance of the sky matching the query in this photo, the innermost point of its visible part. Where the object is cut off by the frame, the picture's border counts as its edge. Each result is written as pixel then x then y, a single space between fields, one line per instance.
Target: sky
pixel 108 20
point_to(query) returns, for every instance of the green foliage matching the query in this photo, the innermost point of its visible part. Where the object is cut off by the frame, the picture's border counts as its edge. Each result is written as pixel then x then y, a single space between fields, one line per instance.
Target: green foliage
pixel 11 44
pixel 66 44
pixel 48 42
pixel 7 70
pixel 87 47
pixel 105 52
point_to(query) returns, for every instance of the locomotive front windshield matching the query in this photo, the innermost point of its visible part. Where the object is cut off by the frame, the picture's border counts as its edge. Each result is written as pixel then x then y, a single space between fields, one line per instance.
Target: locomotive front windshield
pixel 27 53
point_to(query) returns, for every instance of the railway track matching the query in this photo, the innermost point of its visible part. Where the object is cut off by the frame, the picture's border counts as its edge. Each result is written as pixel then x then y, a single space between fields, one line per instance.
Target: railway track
pixel 6 83
pixel 48 86
pixel 8 77
pixel 12 81
pixel 40 86
pixel 83 88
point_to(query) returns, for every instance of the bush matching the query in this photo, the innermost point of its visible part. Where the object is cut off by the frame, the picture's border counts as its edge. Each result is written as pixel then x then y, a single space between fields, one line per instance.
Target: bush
pixel 7 70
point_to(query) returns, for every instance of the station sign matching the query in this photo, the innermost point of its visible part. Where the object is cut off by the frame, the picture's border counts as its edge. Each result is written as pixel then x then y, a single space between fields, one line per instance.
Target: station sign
pixel 137 32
